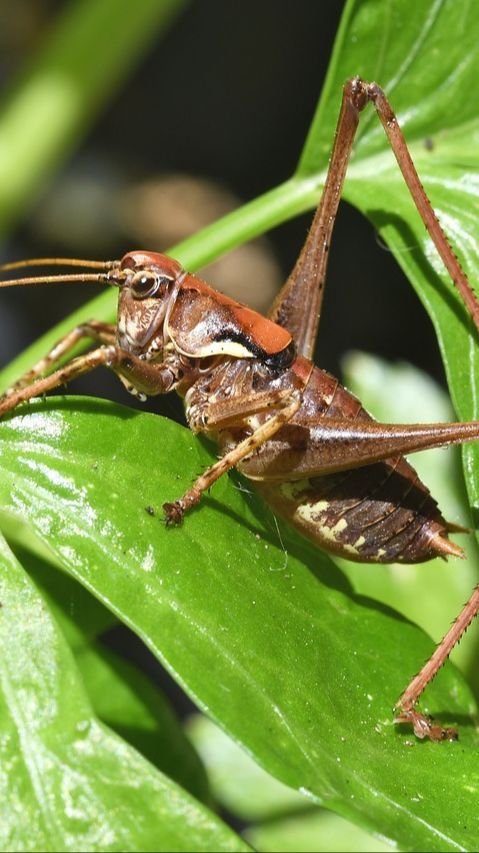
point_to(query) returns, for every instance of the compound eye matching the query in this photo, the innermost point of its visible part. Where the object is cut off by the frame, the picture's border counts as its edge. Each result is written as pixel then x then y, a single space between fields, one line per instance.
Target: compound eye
pixel 145 284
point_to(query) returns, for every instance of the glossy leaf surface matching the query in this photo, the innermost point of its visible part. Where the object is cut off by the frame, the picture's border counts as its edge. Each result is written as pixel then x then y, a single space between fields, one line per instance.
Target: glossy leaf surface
pixel 129 703
pixel 67 782
pixel 280 818
pixel 238 783
pixel 255 624
pixel 424 56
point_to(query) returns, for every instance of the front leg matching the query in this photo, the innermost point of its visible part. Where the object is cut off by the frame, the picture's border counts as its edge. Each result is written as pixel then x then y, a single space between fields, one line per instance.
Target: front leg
pixel 146 378
pixel 175 511
pixel 105 355
pixel 103 333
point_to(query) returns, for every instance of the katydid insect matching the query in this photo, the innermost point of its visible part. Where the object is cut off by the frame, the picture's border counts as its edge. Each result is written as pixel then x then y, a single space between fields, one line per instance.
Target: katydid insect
pixel 249 383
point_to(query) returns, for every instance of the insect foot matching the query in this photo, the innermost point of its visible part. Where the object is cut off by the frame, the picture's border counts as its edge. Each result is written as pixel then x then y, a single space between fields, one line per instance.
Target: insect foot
pixel 424 727
pixel 174 513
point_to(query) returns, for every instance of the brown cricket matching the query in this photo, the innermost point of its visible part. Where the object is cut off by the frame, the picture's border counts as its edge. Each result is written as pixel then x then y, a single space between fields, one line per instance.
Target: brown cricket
pixel 249 383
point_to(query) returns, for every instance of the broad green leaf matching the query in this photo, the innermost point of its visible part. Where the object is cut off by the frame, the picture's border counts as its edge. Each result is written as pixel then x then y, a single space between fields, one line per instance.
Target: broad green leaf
pixel 238 783
pixel 67 782
pixel 431 594
pixel 282 819
pixel 128 702
pixel 394 45
pixel 249 619
pixel 313 832
pixel 80 616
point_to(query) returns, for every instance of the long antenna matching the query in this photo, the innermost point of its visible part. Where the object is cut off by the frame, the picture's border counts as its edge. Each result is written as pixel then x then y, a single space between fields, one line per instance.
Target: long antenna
pixel 59 262
pixel 99 278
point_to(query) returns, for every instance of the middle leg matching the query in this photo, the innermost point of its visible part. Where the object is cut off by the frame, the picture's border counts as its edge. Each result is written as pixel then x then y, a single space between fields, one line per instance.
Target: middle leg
pixel 175 510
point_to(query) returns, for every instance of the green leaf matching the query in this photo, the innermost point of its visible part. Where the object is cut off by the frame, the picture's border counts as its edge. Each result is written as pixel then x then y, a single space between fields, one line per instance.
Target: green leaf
pixel 238 783
pixel 127 701
pixel 313 832
pixel 79 614
pixel 424 56
pixel 282 818
pixel 67 782
pixel 394 45
pixel 246 616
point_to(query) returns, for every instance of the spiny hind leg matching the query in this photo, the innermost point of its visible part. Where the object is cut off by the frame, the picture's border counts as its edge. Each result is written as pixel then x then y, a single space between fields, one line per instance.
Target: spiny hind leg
pixel 423 726
pixel 305 285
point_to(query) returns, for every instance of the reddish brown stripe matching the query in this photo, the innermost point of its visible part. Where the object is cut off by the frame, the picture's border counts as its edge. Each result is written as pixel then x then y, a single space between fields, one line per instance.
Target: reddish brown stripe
pixel 267 335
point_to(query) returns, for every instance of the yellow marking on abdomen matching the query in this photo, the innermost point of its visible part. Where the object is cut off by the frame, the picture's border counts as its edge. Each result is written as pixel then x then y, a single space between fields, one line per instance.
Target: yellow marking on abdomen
pixel 308 512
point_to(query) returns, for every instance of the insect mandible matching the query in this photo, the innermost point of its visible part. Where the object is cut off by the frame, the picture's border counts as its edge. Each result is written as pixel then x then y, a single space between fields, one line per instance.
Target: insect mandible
pixel 249 383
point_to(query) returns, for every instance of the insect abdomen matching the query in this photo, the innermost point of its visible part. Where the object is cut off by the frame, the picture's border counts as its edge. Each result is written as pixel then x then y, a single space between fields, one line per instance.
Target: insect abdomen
pixel 379 513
